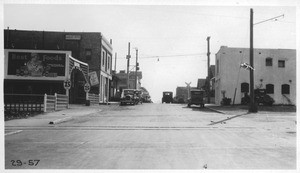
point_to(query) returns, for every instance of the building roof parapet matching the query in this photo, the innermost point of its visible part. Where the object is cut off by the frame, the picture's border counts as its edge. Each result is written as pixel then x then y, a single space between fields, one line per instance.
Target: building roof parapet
pixel 106 43
pixel 255 49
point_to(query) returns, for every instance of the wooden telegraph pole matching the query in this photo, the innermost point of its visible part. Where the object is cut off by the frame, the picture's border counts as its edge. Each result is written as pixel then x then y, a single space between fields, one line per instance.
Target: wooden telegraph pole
pixel 252 106
pixel 208 70
pixel 136 68
pixel 128 63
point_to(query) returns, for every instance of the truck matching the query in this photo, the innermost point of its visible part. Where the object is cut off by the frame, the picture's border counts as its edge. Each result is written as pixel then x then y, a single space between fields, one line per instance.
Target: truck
pixel 167 97
pixel 196 98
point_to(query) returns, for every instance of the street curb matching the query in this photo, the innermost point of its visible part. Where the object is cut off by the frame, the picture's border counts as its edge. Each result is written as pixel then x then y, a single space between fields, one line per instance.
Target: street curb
pixel 61 120
pixel 110 103
pixel 15 132
pixel 215 110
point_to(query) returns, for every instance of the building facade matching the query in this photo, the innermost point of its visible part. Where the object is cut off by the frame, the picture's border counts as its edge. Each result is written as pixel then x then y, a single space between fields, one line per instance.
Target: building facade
pixel 274 70
pixel 87 47
pixel 120 81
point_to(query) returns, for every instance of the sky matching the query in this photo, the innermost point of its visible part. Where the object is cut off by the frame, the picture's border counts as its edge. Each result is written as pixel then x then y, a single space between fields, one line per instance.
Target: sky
pixel 171 39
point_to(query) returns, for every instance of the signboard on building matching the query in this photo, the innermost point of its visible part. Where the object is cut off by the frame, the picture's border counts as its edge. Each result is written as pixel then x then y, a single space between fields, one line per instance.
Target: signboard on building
pixel 93 78
pixel 26 64
pixel 73 37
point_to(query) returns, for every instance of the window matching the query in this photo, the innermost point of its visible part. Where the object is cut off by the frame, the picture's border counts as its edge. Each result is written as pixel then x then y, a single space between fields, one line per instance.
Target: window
pixel 217 66
pixel 270 89
pixel 245 87
pixel 108 62
pixel 285 89
pixel 88 54
pixel 103 58
pixel 281 63
pixel 269 61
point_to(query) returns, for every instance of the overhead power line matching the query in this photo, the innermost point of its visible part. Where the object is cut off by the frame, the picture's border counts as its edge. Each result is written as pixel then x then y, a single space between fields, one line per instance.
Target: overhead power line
pixel 273 18
pixel 159 56
pixel 178 55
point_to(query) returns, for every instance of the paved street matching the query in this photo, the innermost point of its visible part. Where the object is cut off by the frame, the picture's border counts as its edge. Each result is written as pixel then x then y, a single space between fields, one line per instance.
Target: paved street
pixel 152 136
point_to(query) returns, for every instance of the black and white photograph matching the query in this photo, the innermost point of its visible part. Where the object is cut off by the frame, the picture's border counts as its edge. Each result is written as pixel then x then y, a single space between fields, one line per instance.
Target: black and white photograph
pixel 162 86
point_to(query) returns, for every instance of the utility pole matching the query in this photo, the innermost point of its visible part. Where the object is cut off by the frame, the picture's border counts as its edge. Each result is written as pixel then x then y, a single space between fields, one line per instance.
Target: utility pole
pixel 208 70
pixel 252 107
pixel 136 67
pixel 115 62
pixel 128 63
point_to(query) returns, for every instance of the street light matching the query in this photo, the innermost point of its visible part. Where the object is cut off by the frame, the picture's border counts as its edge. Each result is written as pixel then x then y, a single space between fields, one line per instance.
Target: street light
pixel 253 106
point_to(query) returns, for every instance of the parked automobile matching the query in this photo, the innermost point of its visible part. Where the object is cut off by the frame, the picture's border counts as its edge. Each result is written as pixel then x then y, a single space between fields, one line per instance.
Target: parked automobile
pixel 167 97
pixel 196 98
pixel 260 97
pixel 128 96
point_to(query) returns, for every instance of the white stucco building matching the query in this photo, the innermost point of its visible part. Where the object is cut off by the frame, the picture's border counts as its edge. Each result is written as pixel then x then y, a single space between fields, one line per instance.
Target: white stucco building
pixel 106 70
pixel 275 71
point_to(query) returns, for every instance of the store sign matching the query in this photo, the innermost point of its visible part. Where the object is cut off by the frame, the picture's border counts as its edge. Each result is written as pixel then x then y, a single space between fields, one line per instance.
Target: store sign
pixel 73 37
pixel 93 78
pixel 36 64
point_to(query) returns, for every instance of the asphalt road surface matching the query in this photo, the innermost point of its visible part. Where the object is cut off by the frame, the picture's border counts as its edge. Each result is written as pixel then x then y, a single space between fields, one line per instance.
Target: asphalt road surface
pixel 156 136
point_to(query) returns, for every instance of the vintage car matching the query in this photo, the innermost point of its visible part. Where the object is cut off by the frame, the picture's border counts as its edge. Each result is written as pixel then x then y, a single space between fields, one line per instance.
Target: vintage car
pixel 260 97
pixel 167 97
pixel 128 96
pixel 196 98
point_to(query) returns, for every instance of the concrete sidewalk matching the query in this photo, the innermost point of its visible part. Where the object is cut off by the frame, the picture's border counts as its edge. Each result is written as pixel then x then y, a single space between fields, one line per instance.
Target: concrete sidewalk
pixel 242 109
pixel 55 117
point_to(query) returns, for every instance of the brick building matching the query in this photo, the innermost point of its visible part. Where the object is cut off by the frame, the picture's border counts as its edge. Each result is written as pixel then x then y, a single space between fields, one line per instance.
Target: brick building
pixel 87 47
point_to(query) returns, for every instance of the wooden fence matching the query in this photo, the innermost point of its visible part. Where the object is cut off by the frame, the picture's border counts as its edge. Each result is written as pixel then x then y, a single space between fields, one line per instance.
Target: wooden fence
pixel 35 102
pixel 62 101
pixel 93 98
pixel 49 103
pixel 23 102
pixel 55 102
